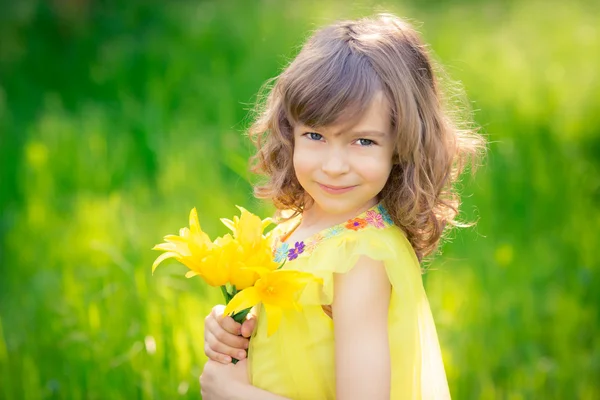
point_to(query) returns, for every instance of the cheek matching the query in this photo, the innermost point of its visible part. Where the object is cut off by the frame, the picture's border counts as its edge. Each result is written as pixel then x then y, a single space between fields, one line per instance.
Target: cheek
pixel 304 159
pixel 375 169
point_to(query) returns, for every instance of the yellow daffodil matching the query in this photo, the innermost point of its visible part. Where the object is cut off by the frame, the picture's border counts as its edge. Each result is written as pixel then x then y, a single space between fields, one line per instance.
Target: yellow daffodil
pixel 194 249
pixel 245 273
pixel 277 290
pixel 256 252
pixel 228 254
pixel 248 228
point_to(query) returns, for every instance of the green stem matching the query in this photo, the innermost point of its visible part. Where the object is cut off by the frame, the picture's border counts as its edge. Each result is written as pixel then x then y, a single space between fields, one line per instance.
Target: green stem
pixel 225 294
pixel 240 318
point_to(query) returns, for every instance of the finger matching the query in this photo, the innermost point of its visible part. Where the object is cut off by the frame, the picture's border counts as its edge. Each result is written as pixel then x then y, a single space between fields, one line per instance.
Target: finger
pixel 222 346
pixel 214 356
pixel 228 339
pixel 225 337
pixel 248 327
pixel 224 328
pixel 218 310
pixel 226 322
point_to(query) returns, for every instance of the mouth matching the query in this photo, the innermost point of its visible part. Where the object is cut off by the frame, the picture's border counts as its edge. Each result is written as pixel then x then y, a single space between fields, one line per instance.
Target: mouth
pixel 336 189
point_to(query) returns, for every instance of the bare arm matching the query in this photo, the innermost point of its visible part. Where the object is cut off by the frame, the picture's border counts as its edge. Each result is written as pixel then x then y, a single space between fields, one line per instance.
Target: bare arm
pixel 360 316
pixel 230 382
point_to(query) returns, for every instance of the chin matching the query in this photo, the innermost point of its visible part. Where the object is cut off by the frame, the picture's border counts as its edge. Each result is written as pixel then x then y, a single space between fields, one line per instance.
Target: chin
pixel 339 206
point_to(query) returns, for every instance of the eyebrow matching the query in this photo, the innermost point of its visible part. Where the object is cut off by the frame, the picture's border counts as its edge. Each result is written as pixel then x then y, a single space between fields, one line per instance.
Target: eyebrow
pixel 363 132
pixel 373 132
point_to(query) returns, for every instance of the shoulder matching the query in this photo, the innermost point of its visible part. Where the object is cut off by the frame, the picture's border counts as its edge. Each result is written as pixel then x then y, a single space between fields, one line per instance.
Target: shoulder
pixel 341 252
pixel 388 243
pixel 368 253
pixel 366 279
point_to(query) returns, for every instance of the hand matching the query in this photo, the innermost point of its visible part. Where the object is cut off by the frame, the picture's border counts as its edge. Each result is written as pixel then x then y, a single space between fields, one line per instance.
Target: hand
pixel 222 340
pixel 224 382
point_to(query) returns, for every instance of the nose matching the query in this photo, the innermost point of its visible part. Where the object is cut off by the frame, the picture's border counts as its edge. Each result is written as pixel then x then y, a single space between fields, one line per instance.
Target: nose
pixel 336 162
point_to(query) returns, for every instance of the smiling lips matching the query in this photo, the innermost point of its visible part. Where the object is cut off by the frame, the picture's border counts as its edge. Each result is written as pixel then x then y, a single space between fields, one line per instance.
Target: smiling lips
pixel 336 189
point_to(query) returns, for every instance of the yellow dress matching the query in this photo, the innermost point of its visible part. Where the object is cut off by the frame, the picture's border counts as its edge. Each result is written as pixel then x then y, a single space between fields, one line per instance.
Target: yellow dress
pixel 297 361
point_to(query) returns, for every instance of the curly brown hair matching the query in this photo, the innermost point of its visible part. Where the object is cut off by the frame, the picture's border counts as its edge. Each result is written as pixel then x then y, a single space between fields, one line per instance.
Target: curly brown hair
pixel 334 78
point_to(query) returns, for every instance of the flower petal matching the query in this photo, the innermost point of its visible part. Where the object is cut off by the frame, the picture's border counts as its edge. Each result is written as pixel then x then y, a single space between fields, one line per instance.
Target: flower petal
pixel 244 299
pixel 266 222
pixel 175 239
pixel 249 229
pixel 191 274
pixel 162 258
pixel 180 246
pixel 228 223
pixel 282 288
pixel 165 247
pixel 242 209
pixel 297 306
pixel 274 314
pixel 194 223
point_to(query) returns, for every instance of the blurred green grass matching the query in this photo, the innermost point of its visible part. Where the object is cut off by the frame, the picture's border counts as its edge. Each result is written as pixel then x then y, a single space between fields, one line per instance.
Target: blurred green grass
pixel 116 120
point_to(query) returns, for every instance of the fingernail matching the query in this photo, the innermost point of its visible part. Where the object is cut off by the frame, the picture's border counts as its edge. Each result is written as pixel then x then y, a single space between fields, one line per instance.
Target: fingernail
pixel 241 354
pixel 227 359
pixel 246 345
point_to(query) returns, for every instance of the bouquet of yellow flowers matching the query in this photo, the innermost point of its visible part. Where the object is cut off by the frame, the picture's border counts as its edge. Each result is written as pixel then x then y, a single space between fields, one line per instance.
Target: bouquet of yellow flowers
pixel 240 263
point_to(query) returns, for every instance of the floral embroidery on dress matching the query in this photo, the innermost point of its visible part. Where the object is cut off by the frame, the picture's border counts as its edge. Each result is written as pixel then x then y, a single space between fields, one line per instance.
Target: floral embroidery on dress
pixel 356 224
pixel 296 251
pixel 333 231
pixel 377 217
pixel 312 244
pixel 281 251
pixel 385 215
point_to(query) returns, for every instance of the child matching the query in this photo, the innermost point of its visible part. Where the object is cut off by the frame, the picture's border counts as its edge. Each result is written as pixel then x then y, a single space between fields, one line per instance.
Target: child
pixel 355 141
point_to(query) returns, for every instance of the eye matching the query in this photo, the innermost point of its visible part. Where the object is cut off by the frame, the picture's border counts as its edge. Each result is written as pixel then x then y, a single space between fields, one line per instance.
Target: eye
pixel 313 136
pixel 365 142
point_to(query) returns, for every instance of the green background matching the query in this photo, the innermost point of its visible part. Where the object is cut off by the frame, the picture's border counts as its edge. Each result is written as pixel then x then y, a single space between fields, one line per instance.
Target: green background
pixel 116 118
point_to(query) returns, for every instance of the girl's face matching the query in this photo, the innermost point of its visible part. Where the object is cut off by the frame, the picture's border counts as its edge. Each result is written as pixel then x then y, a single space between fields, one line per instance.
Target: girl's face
pixel 344 170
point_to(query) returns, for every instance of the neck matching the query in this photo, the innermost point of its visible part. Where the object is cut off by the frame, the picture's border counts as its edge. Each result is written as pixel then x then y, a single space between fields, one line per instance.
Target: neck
pixel 314 216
